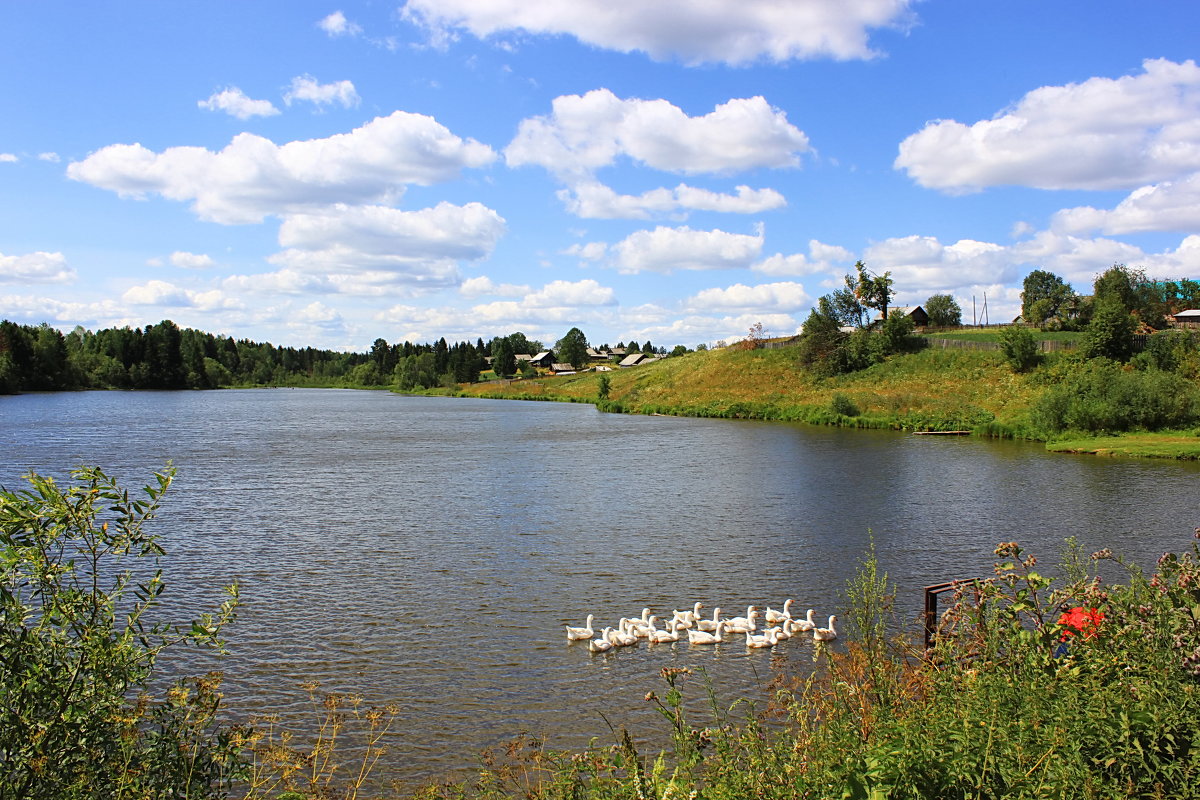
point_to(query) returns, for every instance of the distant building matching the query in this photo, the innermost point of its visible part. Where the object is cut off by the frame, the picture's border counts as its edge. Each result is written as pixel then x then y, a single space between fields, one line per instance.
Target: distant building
pixel 633 359
pixel 916 313
pixel 562 369
pixel 543 359
pixel 1187 319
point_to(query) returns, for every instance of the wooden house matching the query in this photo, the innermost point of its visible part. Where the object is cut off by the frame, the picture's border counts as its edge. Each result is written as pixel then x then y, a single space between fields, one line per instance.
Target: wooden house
pixel 1186 319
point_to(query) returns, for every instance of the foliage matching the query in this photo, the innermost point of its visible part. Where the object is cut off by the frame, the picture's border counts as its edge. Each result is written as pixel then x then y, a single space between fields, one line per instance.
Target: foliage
pixel 895 331
pixel 79 588
pixel 872 291
pixel 1100 396
pixel 843 405
pixel 572 348
pixel 843 305
pixel 1047 300
pixel 504 359
pixel 1019 346
pixel 943 311
pixel 1172 351
pixel 1110 333
pixel 1150 301
pixel 604 386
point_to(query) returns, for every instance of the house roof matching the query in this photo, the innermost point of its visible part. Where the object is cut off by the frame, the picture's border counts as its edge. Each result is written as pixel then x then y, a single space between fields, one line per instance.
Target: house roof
pixel 542 356
pixel 633 359
pixel 1191 313
pixel 562 367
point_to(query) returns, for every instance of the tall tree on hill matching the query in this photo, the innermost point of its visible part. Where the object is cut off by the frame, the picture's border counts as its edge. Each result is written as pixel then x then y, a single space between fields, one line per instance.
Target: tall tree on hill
pixel 572 348
pixel 1046 299
pixel 873 291
pixel 943 311
pixel 504 360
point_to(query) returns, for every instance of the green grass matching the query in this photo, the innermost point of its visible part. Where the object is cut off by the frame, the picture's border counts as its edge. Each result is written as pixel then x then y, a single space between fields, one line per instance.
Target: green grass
pixel 994 335
pixel 1160 444
pixel 929 390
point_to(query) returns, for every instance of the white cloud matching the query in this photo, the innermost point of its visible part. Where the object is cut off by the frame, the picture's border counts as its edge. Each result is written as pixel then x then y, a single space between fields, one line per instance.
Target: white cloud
pixel 336 24
pixel 39 267
pixel 921 265
pixel 585 133
pixel 728 31
pixel 821 258
pixel 592 251
pixel 382 235
pixel 1102 133
pixel 157 293
pixel 306 87
pixel 594 200
pixel 485 286
pixel 253 177
pixel 668 249
pixel 8 158
pixel 233 101
pixel 1166 206
pixel 557 294
pixel 51 157
pixel 185 260
pixel 776 297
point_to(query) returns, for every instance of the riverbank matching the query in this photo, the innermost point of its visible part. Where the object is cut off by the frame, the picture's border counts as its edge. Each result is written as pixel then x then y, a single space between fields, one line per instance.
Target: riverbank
pixel 929 390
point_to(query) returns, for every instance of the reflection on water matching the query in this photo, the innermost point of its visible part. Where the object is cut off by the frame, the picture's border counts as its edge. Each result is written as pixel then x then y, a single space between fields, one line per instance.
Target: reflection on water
pixel 427 551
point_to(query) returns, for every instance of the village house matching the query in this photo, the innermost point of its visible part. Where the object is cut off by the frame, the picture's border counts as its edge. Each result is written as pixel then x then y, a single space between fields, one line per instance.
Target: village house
pixel 1186 319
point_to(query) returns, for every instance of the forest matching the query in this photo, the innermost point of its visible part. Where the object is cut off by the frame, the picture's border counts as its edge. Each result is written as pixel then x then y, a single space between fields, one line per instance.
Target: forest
pixel 164 356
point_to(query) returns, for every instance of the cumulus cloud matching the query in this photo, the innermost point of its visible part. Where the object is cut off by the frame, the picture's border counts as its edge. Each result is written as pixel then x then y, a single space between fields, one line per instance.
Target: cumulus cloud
pixel 8 158
pixel 234 102
pixel 185 260
pixel 594 200
pixel 586 132
pixel 922 264
pixel 785 296
pixel 1166 206
pixel 307 88
pixel 1103 133
pixel 50 157
pixel 485 286
pixel 725 31
pixel 668 249
pixel 445 231
pixel 821 258
pixel 592 251
pixel 567 293
pixel 336 25
pixel 39 267
pixel 253 177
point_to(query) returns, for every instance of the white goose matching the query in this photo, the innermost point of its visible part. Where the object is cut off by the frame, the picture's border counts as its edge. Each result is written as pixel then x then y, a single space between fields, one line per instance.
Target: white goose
pixel 803 625
pixel 768 639
pixel 704 637
pixel 623 637
pixel 827 634
pixel 662 637
pixel 780 633
pixel 743 624
pixel 709 624
pixel 601 645
pixel 773 616
pixel 687 619
pixel 586 632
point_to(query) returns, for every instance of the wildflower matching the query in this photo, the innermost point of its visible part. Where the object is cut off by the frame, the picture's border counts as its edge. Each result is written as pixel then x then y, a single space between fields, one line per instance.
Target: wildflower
pixel 1080 620
pixel 1102 554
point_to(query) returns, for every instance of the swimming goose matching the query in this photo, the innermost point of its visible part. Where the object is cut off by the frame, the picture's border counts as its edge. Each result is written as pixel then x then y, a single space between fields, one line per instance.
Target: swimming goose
pixel 827 634
pixel 602 644
pixel 623 637
pixel 709 624
pixel 586 632
pixel 803 625
pixel 779 616
pixel 704 637
pixel 780 633
pixel 661 637
pixel 687 619
pixel 768 639
pixel 743 624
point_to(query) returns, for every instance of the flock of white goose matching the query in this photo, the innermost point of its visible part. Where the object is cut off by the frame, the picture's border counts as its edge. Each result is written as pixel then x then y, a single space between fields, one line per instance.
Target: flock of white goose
pixel 779 625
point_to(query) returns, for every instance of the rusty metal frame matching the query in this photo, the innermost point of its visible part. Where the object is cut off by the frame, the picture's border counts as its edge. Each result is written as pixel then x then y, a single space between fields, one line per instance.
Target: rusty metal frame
pixel 931 607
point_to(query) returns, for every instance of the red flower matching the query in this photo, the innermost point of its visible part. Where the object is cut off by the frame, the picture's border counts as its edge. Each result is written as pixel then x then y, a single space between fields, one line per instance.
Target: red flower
pixel 1080 620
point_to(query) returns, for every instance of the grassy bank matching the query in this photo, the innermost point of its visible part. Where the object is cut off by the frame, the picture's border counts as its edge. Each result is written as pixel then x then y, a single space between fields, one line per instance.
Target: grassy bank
pixel 929 390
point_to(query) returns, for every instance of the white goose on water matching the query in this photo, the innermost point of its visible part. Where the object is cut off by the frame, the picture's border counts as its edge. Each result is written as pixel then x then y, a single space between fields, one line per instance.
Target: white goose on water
pixel 746 624
pixel 586 632
pixel 687 619
pixel 704 637
pixel 662 637
pixel 601 645
pixel 772 616
pixel 826 634
pixel 709 624
pixel 803 625
pixel 768 639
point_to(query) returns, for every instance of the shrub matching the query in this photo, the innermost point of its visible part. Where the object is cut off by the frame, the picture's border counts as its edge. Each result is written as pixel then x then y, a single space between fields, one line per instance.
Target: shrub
pixel 1019 346
pixel 79 645
pixel 841 404
pixel 1101 396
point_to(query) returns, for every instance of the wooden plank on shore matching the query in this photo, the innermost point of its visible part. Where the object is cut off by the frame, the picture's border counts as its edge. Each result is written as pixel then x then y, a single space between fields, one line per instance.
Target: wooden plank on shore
pixel 941 433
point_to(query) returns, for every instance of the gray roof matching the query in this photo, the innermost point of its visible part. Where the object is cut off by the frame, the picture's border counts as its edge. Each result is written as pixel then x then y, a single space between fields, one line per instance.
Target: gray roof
pixel 1191 313
pixel 633 359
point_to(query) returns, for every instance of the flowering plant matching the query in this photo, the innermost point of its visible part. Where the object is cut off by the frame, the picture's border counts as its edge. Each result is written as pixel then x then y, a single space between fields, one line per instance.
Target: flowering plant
pixel 1080 620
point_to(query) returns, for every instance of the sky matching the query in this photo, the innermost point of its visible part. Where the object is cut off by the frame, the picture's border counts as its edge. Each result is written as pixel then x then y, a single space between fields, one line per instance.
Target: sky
pixel 328 173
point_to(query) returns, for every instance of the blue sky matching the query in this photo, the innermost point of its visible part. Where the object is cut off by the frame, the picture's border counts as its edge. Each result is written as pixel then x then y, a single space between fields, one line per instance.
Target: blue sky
pixel 329 173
